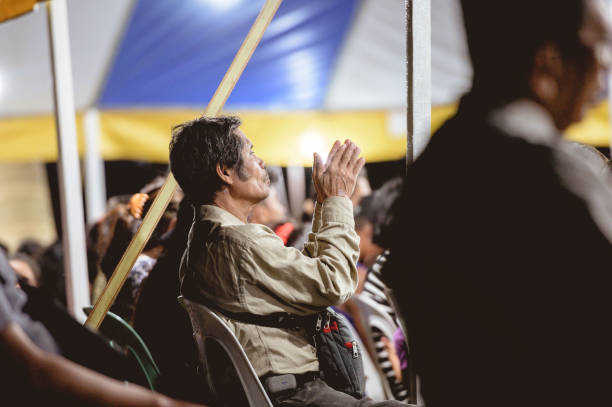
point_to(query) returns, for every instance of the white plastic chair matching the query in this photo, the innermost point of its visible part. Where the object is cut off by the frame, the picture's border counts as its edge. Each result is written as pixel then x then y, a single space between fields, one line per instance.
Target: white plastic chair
pixel 207 325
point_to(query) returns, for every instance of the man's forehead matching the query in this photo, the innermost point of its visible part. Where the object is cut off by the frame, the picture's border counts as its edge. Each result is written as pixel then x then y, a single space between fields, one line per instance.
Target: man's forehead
pixel 245 139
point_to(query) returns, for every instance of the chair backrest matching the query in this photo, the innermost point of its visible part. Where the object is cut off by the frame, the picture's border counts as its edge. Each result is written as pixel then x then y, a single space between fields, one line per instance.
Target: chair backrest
pixel 206 326
pixel 117 330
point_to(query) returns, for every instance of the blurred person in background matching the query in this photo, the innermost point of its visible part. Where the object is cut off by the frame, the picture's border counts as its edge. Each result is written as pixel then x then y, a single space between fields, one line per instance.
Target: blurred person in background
pixel 372 216
pixel 26 268
pixel 126 300
pixel 164 325
pixel 362 187
pixel 52 282
pixel 32 248
pixel 501 248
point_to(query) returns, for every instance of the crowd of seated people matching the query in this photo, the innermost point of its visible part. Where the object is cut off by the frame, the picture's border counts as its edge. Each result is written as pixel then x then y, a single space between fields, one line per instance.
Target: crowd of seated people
pixel 148 299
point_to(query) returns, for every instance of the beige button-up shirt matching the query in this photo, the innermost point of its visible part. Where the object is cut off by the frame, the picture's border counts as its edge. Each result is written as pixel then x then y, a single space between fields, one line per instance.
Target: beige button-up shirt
pixel 246 268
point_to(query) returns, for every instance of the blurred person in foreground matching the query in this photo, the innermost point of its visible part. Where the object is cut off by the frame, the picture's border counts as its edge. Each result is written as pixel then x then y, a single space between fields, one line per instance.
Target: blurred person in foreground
pixel 502 251
pixel 234 266
pixel 33 372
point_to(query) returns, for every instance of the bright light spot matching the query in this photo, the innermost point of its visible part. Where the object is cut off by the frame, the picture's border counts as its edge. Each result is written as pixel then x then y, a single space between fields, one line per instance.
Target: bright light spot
pixel 397 124
pixel 1 86
pixel 312 142
pixel 221 4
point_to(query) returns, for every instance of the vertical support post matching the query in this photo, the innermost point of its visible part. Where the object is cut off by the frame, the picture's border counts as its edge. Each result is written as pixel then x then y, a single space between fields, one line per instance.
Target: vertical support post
pixel 71 200
pixel 95 182
pixel 418 71
pixel 296 181
pixel 610 89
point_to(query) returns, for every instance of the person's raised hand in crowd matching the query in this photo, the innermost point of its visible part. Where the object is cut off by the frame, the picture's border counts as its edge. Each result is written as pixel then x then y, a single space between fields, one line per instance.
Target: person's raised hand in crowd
pixel 337 177
pixel 136 204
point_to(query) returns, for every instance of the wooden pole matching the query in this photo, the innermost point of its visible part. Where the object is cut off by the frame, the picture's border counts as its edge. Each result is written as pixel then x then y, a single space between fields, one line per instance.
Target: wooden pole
pixel 163 198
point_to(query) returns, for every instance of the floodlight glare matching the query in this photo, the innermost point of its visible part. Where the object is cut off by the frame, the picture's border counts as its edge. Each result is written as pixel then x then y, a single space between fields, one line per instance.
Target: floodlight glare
pixel 311 142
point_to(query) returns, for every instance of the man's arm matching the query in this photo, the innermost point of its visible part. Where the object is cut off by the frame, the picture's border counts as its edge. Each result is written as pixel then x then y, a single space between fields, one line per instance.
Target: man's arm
pixel 59 381
pixel 327 274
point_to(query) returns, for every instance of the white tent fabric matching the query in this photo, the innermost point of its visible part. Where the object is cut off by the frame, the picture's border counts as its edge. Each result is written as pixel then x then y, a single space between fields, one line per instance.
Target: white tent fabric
pixel 451 71
pixel 25 71
pixel 371 70
pixel 369 73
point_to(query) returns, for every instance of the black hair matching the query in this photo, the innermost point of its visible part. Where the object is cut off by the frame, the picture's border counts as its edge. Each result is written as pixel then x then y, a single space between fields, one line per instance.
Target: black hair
pixel 504 36
pixel 197 147
pixel 384 199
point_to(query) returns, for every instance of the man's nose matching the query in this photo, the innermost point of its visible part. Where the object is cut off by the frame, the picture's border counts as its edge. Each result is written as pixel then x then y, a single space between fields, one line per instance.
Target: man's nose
pixel 261 163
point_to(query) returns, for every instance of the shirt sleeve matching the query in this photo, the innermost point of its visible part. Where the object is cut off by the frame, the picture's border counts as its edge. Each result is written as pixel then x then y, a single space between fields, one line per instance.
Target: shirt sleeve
pixel 310 244
pixel 306 283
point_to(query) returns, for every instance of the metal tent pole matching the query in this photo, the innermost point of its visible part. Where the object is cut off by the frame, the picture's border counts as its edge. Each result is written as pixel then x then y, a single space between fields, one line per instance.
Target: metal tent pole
pixel 71 201
pixel 418 75
pixel 95 182
pixel 610 90
pixel 296 182
pixel 418 71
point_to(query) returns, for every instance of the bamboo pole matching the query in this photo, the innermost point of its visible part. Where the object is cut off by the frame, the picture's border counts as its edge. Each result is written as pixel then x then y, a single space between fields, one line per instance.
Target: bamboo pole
pixel 161 202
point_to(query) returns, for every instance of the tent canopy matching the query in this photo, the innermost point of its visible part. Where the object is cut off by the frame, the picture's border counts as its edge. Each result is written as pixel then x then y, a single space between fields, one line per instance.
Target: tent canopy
pixel 324 69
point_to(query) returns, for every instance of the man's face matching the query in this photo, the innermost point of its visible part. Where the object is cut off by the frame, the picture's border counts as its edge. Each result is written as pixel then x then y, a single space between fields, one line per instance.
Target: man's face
pixel 584 79
pixel 251 182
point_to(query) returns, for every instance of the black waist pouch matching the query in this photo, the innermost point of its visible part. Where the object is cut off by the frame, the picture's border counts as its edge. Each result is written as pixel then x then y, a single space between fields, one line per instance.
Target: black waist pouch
pixel 340 359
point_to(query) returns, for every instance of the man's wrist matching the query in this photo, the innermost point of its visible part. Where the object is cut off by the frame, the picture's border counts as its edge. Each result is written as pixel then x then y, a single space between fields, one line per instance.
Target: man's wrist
pixel 337 209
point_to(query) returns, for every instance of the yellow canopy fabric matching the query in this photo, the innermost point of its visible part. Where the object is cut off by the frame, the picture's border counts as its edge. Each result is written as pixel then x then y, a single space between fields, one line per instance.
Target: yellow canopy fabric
pixel 594 129
pixel 14 8
pixel 280 138
pixel 286 138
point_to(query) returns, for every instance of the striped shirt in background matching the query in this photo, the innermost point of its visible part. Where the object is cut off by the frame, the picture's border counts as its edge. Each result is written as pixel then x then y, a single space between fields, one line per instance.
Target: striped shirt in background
pixel 374 288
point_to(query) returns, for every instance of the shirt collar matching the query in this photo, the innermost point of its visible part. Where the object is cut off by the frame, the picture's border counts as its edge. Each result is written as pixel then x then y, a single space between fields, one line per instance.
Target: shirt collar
pixel 527 120
pixel 216 214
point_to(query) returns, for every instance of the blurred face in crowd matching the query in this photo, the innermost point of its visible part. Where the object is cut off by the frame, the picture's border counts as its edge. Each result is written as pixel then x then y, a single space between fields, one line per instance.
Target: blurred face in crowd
pixel 250 179
pixel 24 271
pixel 580 80
pixel 368 250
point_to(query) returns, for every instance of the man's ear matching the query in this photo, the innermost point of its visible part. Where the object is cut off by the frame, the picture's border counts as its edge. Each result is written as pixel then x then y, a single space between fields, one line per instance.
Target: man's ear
pixel 225 174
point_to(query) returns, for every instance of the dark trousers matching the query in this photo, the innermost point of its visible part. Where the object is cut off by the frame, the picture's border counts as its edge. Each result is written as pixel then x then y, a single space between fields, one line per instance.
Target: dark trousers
pixel 317 393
